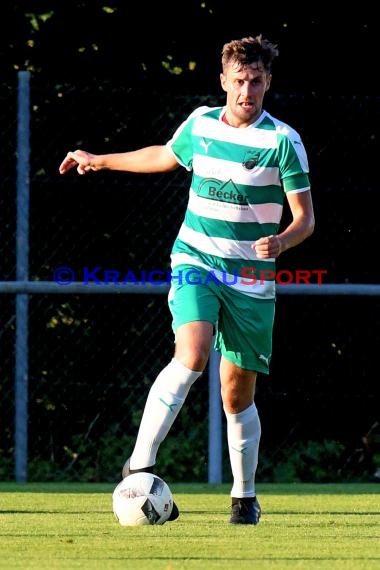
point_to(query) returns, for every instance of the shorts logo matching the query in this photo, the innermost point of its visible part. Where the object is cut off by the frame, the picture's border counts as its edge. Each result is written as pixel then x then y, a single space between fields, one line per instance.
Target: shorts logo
pixel 264 358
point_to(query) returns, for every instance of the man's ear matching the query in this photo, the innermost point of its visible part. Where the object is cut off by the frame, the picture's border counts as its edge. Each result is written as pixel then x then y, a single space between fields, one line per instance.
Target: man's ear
pixel 268 81
pixel 223 80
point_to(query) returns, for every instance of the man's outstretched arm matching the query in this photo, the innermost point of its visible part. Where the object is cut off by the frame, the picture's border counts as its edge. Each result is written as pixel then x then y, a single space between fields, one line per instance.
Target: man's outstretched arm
pixel 156 158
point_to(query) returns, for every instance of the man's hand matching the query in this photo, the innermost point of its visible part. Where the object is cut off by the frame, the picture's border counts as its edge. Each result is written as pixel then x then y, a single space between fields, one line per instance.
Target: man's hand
pixel 82 160
pixel 267 247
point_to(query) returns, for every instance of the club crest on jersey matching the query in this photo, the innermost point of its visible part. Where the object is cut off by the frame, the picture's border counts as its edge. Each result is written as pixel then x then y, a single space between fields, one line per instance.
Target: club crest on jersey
pixel 250 160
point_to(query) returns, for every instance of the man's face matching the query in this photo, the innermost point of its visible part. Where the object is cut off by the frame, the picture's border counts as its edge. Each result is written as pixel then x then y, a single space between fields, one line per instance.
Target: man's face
pixel 245 88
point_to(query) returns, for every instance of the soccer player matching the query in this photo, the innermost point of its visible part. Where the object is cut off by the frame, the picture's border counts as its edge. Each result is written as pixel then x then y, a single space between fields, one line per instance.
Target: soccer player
pixel 244 163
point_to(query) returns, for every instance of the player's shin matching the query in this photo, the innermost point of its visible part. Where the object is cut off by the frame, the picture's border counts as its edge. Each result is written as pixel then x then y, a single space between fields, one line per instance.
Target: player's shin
pixel 243 434
pixel 164 402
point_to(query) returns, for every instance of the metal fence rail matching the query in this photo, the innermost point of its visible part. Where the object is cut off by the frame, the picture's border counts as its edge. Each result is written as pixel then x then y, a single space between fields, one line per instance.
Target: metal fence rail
pixel 78 287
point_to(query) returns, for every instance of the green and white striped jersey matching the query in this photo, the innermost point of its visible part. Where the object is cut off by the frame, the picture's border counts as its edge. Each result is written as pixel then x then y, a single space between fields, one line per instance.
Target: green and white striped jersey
pixel 239 179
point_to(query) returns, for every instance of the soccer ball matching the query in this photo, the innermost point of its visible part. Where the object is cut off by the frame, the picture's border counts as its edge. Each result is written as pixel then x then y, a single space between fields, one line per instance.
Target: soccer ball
pixel 142 498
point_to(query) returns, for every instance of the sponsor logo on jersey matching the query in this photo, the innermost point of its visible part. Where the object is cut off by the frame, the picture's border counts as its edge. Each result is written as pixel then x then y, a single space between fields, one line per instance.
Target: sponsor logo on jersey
pixel 223 191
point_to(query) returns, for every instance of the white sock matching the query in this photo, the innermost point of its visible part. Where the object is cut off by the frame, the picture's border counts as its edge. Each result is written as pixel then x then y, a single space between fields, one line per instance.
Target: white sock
pixel 243 436
pixel 165 399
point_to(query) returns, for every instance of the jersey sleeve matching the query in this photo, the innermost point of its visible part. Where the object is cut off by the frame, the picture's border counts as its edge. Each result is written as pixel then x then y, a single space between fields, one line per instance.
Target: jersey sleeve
pixel 181 143
pixel 293 161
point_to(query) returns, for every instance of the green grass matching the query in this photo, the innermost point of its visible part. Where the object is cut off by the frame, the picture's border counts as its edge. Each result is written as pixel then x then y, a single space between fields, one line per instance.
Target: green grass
pixel 304 526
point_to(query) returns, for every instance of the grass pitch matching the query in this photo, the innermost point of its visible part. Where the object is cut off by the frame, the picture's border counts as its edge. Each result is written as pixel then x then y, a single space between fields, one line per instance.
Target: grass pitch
pixel 303 527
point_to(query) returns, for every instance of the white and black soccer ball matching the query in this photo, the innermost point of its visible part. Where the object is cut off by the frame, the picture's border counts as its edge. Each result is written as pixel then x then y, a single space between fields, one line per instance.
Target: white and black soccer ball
pixel 141 499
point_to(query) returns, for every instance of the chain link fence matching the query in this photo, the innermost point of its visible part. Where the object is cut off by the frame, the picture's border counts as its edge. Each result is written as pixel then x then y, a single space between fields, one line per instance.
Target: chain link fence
pixel 92 358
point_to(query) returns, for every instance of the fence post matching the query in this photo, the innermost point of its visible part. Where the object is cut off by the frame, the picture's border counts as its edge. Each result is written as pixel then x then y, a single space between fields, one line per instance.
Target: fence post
pixel 215 420
pixel 22 270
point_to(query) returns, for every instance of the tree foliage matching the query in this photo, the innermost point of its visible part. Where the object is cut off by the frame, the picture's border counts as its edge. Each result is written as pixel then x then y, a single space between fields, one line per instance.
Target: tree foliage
pixel 177 43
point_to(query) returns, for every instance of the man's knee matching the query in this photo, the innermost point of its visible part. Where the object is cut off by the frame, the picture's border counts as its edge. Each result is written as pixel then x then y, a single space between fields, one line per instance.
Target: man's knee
pixel 194 358
pixel 237 387
pixel 193 343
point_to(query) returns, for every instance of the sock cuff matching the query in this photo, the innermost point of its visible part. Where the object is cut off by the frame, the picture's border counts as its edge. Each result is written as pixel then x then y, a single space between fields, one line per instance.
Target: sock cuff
pixel 182 369
pixel 242 416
